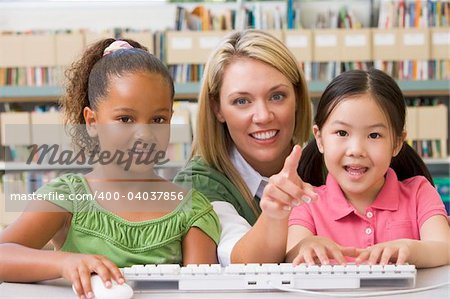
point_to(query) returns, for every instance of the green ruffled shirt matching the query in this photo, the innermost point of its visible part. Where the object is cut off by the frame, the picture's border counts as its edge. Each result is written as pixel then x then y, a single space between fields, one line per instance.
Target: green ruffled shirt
pixel 94 230
pixel 214 185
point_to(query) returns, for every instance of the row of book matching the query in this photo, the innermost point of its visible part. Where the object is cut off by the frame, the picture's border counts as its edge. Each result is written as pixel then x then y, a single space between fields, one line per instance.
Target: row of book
pixel 321 51
pixel 31 76
pixel 242 16
pixel 429 141
pixel 414 14
pixel 417 15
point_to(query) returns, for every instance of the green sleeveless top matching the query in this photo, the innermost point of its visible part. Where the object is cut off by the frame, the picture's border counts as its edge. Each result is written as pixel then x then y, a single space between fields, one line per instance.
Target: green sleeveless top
pixel 94 230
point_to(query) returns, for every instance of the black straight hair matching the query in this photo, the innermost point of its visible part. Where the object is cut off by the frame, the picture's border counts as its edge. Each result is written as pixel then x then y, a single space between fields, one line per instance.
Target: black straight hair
pixel 385 91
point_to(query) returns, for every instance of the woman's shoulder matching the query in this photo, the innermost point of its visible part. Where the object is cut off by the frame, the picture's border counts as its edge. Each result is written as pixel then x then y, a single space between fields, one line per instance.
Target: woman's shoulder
pixel 197 166
pixel 197 174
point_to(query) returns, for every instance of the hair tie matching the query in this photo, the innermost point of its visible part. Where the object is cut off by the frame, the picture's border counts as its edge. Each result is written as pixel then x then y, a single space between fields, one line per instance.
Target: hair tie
pixel 118 44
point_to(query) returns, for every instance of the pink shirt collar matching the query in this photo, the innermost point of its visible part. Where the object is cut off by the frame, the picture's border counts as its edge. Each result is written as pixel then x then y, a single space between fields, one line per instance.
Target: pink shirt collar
pixel 387 199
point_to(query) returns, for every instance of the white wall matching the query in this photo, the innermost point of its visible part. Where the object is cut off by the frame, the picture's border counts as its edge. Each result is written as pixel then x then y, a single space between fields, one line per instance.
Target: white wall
pixel 34 15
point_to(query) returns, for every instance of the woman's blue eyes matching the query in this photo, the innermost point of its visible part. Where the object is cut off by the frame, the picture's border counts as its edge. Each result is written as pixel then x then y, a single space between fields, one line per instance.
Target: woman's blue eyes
pixel 240 101
pixel 274 97
pixel 277 97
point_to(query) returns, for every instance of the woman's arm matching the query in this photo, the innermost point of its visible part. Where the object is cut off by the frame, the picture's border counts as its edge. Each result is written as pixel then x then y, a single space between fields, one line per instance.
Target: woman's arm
pixel 266 240
pixel 198 248
pixel 296 233
pixel 233 228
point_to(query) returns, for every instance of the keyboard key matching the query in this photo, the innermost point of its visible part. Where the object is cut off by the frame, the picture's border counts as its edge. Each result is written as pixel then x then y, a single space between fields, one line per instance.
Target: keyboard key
pixel 339 268
pixel 286 268
pixel 269 268
pixel 215 269
pixel 406 268
pixel 302 268
pixel 189 269
pixel 235 269
pixel 168 269
pixel 389 268
pixel 313 269
pixel 351 268
pixel 251 268
pixel 377 268
pixel 364 268
pixel 327 269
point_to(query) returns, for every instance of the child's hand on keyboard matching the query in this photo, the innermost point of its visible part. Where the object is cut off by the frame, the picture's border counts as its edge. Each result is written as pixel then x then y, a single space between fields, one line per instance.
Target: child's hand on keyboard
pixel 319 250
pixel 77 268
pixel 397 251
pixel 286 189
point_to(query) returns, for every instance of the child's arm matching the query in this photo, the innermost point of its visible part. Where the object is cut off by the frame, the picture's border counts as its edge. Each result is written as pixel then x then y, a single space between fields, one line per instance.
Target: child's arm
pixel 304 246
pixel 22 260
pixel 431 251
pixel 296 233
pixel 198 248
pixel 20 256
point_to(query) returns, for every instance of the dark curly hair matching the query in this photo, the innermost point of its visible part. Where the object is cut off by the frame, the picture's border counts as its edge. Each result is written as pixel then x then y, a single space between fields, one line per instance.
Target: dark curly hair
pixel 88 79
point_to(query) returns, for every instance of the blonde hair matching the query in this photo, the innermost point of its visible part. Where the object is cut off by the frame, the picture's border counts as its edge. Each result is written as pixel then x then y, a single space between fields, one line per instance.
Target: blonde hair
pixel 213 140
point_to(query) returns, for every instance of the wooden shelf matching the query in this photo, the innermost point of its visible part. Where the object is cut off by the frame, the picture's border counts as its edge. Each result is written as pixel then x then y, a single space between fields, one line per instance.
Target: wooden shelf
pixel 409 88
pixel 27 94
pixel 425 87
pixel 30 94
pixel 189 91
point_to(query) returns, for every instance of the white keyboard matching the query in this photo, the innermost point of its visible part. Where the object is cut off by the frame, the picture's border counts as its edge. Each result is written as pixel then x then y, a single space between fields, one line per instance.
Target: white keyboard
pixel 239 277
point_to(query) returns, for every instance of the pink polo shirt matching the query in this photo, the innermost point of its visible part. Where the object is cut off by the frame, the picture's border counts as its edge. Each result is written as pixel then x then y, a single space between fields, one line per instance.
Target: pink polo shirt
pixel 398 212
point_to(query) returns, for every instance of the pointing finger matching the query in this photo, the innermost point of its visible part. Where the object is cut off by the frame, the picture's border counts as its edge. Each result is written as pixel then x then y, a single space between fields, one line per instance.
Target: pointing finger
pixel 291 163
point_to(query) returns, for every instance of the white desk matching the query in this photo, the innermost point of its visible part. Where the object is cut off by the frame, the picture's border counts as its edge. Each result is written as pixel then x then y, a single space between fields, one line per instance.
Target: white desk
pixel 62 289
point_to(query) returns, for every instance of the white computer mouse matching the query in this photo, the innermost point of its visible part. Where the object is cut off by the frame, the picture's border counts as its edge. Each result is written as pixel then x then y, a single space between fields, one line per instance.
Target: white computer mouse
pixel 116 291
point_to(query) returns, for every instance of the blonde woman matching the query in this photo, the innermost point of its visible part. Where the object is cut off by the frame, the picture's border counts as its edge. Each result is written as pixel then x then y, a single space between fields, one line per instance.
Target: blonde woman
pixel 253 109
